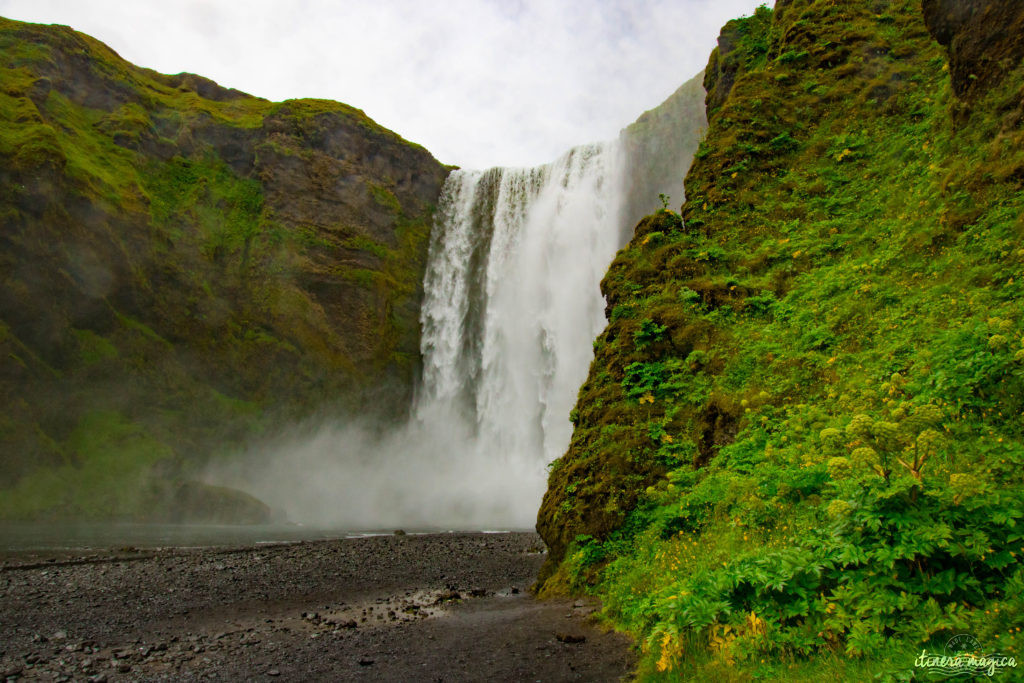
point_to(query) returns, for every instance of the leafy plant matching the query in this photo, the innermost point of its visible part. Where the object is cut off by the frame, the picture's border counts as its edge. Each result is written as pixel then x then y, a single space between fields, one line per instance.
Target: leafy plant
pixel 825 460
pixel 649 333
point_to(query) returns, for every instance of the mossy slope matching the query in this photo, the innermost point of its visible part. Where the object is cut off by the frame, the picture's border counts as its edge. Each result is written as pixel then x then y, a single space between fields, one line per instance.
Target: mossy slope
pixel 797 453
pixel 183 263
pixel 659 147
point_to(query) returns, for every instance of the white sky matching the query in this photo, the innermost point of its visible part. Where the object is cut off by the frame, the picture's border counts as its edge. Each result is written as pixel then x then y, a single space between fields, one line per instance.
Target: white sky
pixel 477 82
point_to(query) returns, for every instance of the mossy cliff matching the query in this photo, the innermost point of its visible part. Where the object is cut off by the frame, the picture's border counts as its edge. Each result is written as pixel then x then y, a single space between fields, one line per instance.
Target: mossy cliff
pixel 181 264
pixel 658 148
pixel 798 452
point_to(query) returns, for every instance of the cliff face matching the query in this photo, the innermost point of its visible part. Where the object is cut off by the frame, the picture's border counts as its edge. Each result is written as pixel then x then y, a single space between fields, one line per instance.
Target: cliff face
pixel 984 39
pixel 818 360
pixel 659 147
pixel 181 260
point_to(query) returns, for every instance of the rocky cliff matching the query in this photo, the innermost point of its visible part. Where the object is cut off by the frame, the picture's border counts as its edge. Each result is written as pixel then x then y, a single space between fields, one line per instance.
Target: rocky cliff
pixel 984 39
pixel 796 454
pixel 181 262
pixel 659 147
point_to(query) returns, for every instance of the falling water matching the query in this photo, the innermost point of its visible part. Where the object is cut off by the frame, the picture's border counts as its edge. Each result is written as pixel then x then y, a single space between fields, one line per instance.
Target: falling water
pixel 513 303
pixel 512 306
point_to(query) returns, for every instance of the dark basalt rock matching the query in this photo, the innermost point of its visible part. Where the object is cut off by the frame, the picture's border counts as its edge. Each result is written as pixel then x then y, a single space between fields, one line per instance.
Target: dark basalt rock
pixel 985 39
pixel 720 73
pixel 185 257
pixel 195 502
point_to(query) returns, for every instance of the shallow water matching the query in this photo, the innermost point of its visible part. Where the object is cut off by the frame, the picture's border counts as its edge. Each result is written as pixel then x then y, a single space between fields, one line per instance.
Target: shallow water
pixel 34 536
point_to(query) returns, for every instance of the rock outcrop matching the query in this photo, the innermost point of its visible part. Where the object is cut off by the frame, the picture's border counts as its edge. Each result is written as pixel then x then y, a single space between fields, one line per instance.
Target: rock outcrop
pixel 720 73
pixel 818 357
pixel 181 262
pixel 985 40
pixel 659 147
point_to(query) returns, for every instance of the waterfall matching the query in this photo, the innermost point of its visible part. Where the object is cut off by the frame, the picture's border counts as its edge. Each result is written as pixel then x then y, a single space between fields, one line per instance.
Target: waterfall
pixel 512 303
pixel 511 307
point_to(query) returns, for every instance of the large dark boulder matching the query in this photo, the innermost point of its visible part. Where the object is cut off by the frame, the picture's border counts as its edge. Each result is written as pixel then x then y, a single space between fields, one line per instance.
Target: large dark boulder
pixel 985 39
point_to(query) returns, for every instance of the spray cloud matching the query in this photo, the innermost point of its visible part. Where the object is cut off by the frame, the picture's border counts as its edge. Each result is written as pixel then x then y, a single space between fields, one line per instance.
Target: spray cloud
pixel 512 305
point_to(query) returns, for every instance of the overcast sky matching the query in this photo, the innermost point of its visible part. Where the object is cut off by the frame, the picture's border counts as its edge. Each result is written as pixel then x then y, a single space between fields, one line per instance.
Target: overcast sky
pixel 477 82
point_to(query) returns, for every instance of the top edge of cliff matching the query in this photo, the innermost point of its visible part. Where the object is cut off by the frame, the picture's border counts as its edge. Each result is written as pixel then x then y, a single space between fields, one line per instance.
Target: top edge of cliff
pixel 60 53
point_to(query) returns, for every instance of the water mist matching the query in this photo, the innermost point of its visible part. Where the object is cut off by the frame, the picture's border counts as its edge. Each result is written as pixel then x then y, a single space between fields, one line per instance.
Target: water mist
pixel 512 305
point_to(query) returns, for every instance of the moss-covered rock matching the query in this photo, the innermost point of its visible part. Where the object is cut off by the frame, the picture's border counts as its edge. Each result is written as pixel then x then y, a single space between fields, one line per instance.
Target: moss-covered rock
pixel 815 362
pixel 985 40
pixel 195 260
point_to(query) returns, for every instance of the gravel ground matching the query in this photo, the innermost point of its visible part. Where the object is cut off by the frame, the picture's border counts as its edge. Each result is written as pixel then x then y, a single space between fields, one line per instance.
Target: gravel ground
pixel 438 607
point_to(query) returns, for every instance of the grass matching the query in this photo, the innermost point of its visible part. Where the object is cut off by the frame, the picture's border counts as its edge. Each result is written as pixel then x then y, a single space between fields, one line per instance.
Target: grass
pixel 109 460
pixel 846 257
pixel 169 291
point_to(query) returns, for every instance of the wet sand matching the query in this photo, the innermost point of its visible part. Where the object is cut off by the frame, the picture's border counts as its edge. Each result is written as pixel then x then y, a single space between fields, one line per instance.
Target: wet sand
pixel 438 607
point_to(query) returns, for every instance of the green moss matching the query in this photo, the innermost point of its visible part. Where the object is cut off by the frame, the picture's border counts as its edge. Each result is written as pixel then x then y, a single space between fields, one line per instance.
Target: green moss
pixel 126 125
pixel 94 348
pixel 311 107
pixel 112 457
pixel 19 52
pixel 384 197
pixel 30 145
pixel 139 327
pixel 244 112
pixel 362 243
pixel 101 168
pixel 366 278
pixel 845 251
pixel 226 209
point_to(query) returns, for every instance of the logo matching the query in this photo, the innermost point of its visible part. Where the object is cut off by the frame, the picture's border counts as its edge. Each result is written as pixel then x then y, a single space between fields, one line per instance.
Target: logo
pixel 964 658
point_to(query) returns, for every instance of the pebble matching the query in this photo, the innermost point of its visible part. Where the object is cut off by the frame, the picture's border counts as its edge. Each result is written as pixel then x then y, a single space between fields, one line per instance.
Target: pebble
pixel 121 598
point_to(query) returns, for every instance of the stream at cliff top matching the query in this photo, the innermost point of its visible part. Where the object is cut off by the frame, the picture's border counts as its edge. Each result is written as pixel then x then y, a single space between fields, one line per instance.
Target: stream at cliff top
pixel 512 305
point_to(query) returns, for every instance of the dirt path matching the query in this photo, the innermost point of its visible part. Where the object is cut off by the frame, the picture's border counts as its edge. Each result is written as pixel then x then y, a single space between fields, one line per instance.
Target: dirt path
pixel 442 607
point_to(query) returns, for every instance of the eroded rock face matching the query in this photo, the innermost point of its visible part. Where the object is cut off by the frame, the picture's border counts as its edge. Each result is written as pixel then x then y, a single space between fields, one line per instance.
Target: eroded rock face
pixel 985 39
pixel 850 63
pixel 184 259
pixel 720 73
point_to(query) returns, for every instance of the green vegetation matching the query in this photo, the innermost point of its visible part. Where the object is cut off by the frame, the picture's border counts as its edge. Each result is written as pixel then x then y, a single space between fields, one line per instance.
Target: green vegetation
pixel 226 209
pixel 106 475
pixel 199 263
pixel 797 456
pixel 658 148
